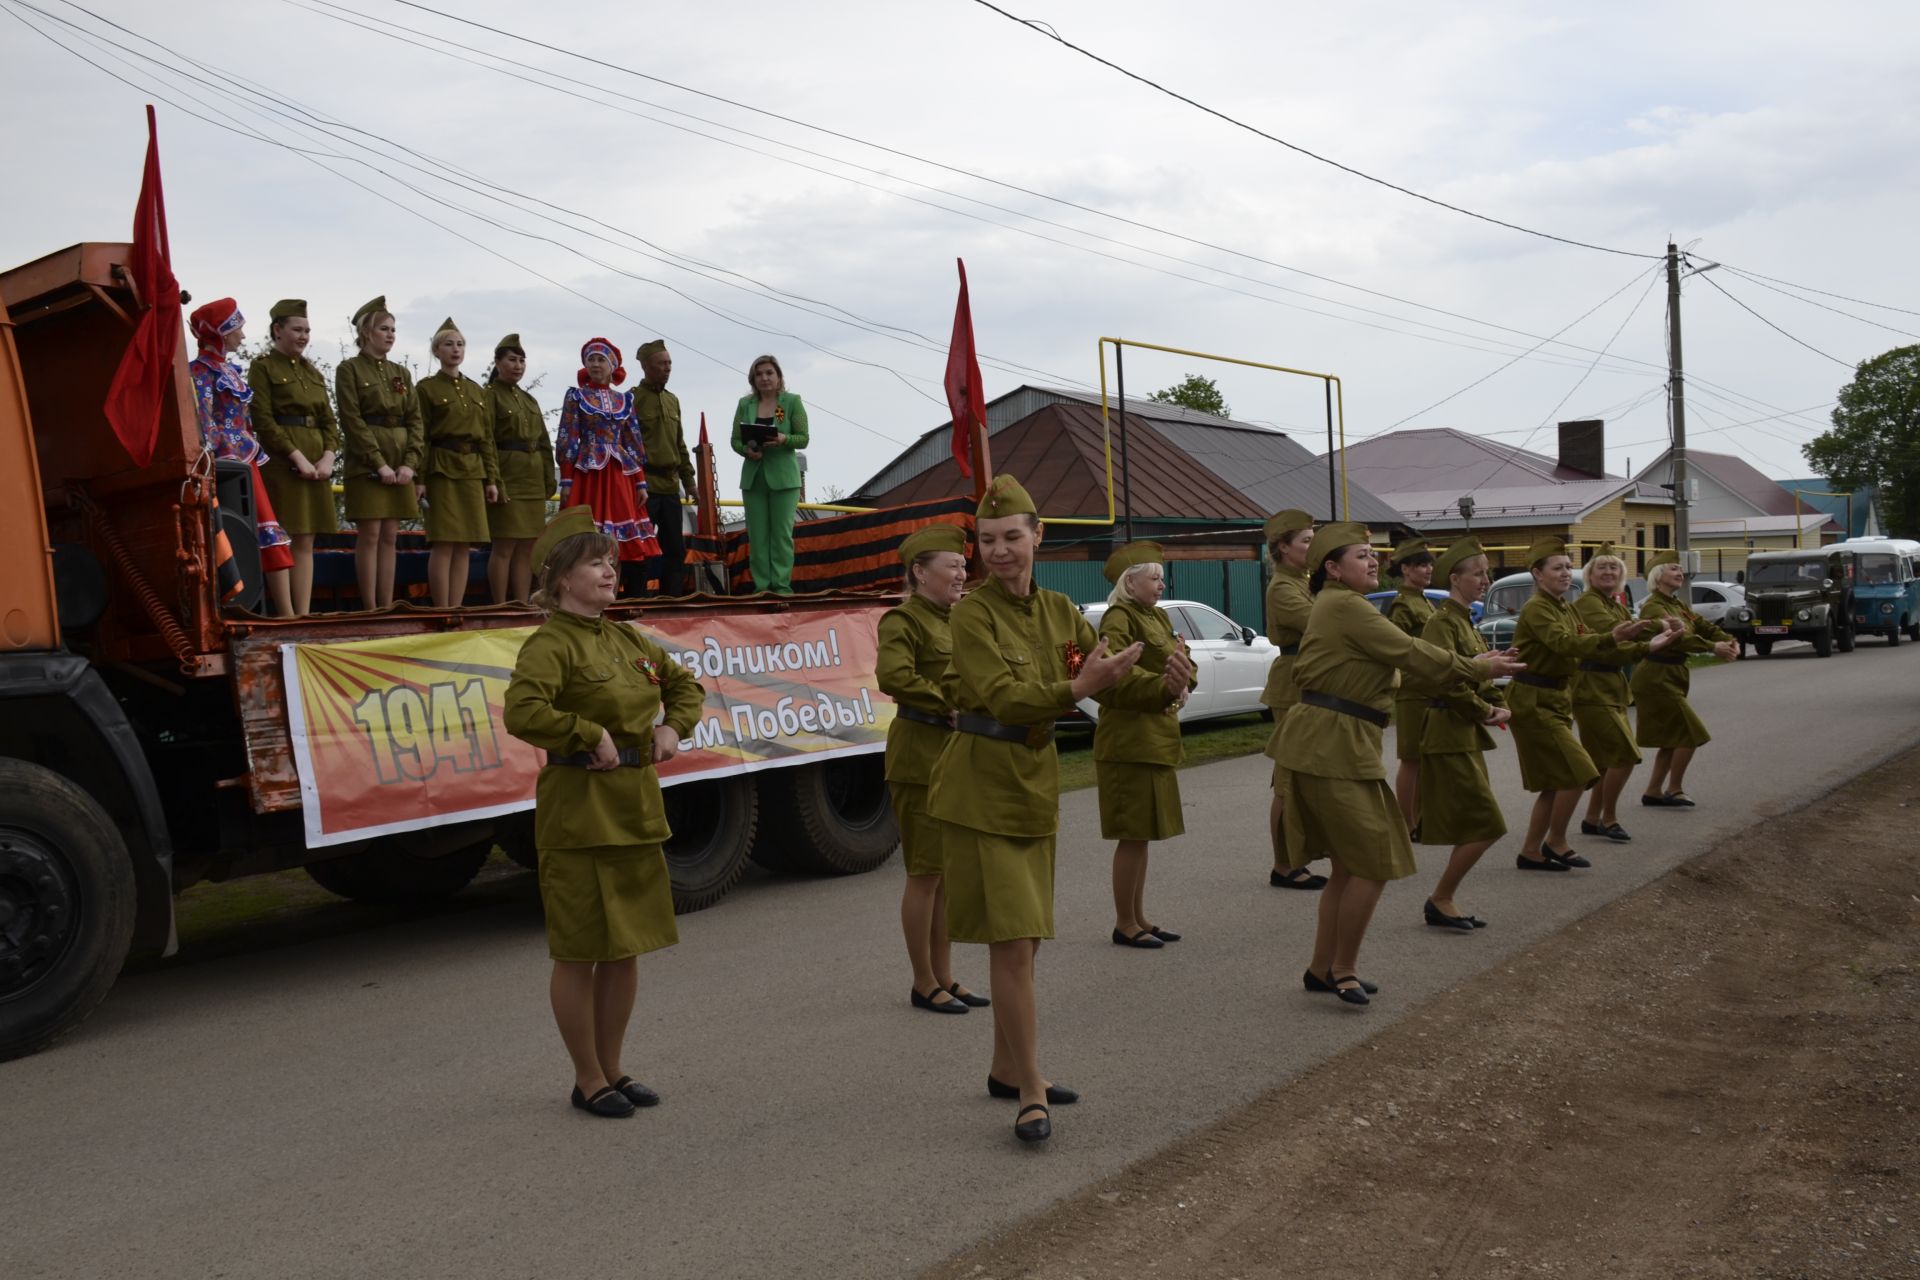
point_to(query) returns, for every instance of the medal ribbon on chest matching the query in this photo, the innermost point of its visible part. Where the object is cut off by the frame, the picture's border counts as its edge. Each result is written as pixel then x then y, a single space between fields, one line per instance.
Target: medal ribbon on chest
pixel 1075 658
pixel 647 668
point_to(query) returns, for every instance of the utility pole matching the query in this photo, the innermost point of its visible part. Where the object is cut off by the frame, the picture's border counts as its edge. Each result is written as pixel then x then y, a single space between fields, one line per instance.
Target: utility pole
pixel 1676 390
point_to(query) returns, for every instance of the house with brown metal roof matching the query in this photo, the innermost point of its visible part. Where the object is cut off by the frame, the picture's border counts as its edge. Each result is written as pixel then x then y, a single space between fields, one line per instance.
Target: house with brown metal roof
pixel 1733 508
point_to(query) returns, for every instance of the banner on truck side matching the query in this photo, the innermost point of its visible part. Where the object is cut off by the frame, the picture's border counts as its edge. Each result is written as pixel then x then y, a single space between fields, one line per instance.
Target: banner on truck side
pixel 404 733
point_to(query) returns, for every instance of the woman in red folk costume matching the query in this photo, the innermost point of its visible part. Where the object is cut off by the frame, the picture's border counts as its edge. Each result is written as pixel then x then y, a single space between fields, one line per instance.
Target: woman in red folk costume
pixel 226 429
pixel 603 462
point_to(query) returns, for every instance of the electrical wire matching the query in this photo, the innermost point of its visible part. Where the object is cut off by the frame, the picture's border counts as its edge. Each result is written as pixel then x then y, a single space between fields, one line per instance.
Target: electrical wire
pixel 1770 324
pixel 1761 281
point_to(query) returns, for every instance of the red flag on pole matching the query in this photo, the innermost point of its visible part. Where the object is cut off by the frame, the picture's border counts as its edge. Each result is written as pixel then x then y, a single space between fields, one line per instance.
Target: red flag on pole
pixel 966 398
pixel 140 384
pixel 706 488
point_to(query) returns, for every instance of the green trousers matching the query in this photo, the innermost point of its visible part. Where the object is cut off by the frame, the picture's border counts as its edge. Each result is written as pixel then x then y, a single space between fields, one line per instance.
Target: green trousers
pixel 770 537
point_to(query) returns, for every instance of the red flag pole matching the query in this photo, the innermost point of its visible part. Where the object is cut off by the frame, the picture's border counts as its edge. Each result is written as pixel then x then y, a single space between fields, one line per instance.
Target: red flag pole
pixel 966 396
pixel 707 495
pixel 140 383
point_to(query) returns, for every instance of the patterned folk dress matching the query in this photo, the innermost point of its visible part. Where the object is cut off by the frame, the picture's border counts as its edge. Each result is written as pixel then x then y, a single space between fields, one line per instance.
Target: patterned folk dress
pixel 226 428
pixel 603 463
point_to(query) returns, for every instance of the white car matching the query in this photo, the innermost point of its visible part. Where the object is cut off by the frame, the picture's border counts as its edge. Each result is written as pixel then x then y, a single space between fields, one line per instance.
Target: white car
pixel 1232 660
pixel 1712 600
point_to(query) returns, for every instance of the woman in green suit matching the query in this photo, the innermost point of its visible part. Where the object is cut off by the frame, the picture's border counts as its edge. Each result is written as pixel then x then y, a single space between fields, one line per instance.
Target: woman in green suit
pixel 770 477
pixel 1665 719
pixel 1289 605
pixel 1410 611
pixel 386 448
pixel 293 418
pixel 1600 696
pixel 1136 754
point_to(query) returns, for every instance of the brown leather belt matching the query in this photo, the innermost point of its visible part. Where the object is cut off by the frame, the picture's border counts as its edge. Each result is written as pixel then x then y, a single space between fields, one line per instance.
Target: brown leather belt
pixel 382 420
pixel 295 419
pixel 513 446
pixel 988 727
pixel 918 716
pixel 455 446
pixel 1358 710
pixel 1540 682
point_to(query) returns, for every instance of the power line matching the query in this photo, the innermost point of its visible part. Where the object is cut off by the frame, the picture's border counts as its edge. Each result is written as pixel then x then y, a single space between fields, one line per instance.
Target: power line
pixel 1700 275
pixel 1807 288
pixel 1296 147
pixel 1761 281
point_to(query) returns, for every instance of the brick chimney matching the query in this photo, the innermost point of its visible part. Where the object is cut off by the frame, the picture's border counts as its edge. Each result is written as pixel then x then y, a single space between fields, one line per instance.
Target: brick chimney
pixel 1583 446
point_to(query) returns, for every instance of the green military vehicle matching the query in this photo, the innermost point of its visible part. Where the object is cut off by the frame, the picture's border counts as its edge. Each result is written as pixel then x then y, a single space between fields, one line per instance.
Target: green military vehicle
pixel 1797 595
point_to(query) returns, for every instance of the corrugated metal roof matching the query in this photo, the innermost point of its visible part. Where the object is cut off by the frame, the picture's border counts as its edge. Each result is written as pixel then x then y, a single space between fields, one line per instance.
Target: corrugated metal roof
pixel 1273 470
pixel 1448 458
pixel 1738 476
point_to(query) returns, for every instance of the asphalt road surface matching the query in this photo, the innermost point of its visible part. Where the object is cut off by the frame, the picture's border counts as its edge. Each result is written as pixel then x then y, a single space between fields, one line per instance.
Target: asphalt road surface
pixel 392 1102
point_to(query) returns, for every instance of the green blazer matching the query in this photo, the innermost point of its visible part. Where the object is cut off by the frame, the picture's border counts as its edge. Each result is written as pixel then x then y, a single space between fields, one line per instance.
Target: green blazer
pixel 777 468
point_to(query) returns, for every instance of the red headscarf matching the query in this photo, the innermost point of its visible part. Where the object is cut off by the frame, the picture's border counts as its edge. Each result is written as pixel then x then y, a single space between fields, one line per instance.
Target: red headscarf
pixel 602 347
pixel 214 321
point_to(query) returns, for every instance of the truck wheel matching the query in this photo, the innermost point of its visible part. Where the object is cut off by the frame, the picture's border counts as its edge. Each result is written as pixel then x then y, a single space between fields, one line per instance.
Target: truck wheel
pixel 66 906
pixel 1763 647
pixel 1893 637
pixel 1845 638
pixel 834 818
pixel 713 823
pixel 1823 642
pixel 392 871
pixel 514 835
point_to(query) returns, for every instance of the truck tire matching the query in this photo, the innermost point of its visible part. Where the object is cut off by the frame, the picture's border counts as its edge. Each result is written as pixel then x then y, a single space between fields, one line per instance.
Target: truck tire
pixel 834 818
pixel 1763 647
pixel 514 835
pixel 1893 637
pixel 393 872
pixel 66 906
pixel 1844 638
pixel 713 823
pixel 1823 642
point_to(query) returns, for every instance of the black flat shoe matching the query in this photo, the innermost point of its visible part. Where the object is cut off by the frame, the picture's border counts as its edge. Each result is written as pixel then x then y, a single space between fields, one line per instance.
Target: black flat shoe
pixel 1655 802
pixel 1591 828
pixel 638 1094
pixel 1678 799
pixel 1441 920
pixel 1300 879
pixel 1142 939
pixel 1614 831
pixel 1057 1094
pixel 951 1005
pixel 609 1103
pixel 1569 858
pixel 1165 935
pixel 1324 986
pixel 1354 994
pixel 1525 863
pixel 1036 1130
pixel 1475 921
pixel 968 998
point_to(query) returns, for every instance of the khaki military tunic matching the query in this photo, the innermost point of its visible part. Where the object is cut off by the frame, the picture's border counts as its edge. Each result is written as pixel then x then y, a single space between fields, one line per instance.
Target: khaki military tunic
pixel 380 418
pixel 291 412
pixel 603 877
pixel 461 460
pixel 1457 804
pixel 1136 753
pixel 1000 799
pixel 1600 696
pixel 1409 611
pixel 1552 641
pixel 1289 606
pixel 1663 716
pixel 669 461
pixel 1335 791
pixel 916 647
pixel 525 452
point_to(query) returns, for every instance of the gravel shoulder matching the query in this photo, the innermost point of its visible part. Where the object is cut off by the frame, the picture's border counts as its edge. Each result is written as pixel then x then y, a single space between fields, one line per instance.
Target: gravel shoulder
pixel 1713 1076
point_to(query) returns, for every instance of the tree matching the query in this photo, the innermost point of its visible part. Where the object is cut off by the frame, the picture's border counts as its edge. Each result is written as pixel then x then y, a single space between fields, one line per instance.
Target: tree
pixel 1195 392
pixel 1875 438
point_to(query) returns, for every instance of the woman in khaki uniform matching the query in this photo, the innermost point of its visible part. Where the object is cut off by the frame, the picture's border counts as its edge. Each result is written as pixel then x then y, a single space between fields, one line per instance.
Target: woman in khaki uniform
pixel 1136 754
pixel 294 420
pixel 1665 720
pixel 527 476
pixel 1336 785
pixel 1410 611
pixel 380 417
pixel 587 690
pixel 1289 605
pixel 1457 804
pixel 916 648
pixel 463 471
pixel 1553 642
pixel 1022 657
pixel 1600 695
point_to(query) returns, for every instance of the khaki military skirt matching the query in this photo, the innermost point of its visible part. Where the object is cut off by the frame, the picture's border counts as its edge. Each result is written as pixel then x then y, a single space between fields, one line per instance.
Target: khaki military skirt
pixel 1457 804
pixel 1663 716
pixel 1408 715
pixel 368 499
pixel 1551 758
pixel 1138 801
pixel 1605 735
pixel 999 888
pixel 303 506
pixel 606 903
pixel 517 518
pixel 1354 821
pixel 923 837
pixel 457 510
pixel 1273 748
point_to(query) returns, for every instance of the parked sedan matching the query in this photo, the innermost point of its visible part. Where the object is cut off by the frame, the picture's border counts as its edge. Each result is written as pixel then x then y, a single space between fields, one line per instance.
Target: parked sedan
pixel 1714 600
pixel 1232 661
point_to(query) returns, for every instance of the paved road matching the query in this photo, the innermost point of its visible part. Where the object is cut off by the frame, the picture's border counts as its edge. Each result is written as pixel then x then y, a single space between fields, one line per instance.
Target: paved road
pixel 391 1103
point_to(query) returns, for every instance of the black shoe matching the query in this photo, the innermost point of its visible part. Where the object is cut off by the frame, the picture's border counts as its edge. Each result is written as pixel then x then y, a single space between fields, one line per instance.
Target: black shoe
pixel 1656 802
pixel 608 1102
pixel 1324 986
pixel 1036 1130
pixel 1569 858
pixel 1525 863
pixel 1300 878
pixel 1678 799
pixel 1591 828
pixel 638 1094
pixel 1165 935
pixel 950 1005
pixel 1141 939
pixel 1475 921
pixel 1615 831
pixel 971 1000
pixel 1057 1094
pixel 1441 920
pixel 1355 994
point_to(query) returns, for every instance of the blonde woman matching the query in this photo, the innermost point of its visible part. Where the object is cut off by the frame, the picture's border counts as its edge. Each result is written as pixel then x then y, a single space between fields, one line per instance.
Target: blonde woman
pixel 386 442
pixel 1600 695
pixel 1137 753
pixel 293 417
pixel 769 425
pixel 1665 720
pixel 1289 605
pixel 463 470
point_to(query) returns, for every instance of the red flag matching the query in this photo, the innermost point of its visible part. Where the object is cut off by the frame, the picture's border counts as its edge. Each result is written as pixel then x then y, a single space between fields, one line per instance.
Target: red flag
pixel 141 383
pixel 706 489
pixel 966 398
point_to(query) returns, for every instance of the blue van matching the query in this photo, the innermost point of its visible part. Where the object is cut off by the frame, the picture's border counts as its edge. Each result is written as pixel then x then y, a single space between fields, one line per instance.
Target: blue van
pixel 1886 593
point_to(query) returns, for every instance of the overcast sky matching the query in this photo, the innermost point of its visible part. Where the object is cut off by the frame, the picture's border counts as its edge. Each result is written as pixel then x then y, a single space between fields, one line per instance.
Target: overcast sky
pixel 1778 138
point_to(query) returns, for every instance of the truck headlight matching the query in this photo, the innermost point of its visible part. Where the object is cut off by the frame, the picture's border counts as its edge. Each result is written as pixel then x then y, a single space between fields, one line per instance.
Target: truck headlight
pixel 1744 615
pixel 1887 607
pixel 1803 615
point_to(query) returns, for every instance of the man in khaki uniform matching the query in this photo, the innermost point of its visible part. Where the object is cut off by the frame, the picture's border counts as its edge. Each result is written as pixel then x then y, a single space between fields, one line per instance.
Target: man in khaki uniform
pixel 669 462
